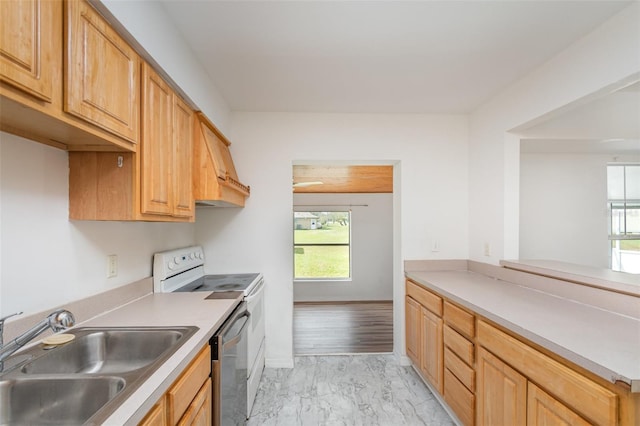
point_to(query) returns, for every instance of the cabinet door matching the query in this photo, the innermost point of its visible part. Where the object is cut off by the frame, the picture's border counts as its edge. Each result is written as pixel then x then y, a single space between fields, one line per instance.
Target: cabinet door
pixel 102 73
pixel 183 158
pixel 156 148
pixel 545 410
pixel 501 393
pixel 27 45
pixel 412 329
pixel 155 417
pixel 431 351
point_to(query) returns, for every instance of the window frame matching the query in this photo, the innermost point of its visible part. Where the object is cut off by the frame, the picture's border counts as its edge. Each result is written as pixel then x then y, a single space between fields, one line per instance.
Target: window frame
pixel 349 244
pixel 623 205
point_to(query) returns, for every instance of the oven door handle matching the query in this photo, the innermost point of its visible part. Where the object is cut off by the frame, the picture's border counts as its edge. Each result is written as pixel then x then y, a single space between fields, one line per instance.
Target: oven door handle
pixel 256 292
pixel 226 343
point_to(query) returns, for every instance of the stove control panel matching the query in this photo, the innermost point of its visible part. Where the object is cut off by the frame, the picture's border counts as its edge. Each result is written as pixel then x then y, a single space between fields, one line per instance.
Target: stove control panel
pixel 173 262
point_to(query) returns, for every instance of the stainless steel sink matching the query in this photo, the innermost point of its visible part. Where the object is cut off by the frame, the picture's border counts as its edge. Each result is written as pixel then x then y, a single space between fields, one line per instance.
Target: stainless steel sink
pixel 84 381
pixel 55 401
pixel 107 351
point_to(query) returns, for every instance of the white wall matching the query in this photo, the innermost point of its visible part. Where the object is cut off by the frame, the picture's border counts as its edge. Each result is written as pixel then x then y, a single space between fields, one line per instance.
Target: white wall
pixel 150 24
pixel 430 198
pixel 604 57
pixel 47 260
pixel 563 208
pixel 371 248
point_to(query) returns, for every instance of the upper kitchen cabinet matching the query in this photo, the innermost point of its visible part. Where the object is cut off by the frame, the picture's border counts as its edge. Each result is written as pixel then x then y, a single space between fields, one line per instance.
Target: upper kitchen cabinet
pixel 102 73
pixel 153 184
pixel 27 46
pixel 215 181
pixel 33 86
pixel 167 149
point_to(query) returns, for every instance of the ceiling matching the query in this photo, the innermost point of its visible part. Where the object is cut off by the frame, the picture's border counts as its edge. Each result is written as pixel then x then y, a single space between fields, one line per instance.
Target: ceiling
pixel 377 56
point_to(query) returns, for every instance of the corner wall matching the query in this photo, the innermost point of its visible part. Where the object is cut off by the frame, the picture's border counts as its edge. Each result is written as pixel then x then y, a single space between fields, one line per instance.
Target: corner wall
pixel 605 57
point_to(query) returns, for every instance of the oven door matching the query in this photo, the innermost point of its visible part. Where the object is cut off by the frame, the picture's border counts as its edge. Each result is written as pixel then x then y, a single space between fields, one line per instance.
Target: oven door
pixel 255 342
pixel 229 366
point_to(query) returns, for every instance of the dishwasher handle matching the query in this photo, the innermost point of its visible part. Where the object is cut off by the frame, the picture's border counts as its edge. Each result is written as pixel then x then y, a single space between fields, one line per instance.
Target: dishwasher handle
pixel 229 342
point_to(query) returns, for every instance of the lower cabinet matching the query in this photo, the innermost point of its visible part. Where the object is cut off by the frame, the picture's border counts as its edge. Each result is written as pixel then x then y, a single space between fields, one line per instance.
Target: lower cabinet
pixel 488 376
pixel 188 400
pixel 502 392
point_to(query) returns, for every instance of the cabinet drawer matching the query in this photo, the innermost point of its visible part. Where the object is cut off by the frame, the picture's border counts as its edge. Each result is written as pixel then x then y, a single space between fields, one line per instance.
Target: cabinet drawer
pixel 202 401
pixel 461 401
pixel 429 300
pixel 182 393
pixel 459 345
pixel 462 371
pixel 592 401
pixel 459 319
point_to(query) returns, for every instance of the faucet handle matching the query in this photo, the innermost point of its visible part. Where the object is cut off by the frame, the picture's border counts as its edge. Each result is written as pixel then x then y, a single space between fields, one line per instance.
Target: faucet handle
pixel 9 316
pixel 61 320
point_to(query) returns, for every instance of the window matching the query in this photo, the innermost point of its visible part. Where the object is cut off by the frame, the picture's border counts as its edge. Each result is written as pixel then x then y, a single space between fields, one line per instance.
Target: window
pixel 322 245
pixel 623 193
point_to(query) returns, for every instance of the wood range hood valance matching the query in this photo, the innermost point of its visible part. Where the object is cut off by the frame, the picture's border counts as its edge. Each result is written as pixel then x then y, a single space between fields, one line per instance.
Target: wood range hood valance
pixel 215 180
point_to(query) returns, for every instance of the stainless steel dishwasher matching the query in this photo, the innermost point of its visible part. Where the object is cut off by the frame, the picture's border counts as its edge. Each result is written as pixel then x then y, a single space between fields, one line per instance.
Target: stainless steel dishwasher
pixel 229 369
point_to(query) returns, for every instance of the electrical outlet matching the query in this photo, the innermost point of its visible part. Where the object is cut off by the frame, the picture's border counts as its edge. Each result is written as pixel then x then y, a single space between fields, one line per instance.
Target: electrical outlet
pixel 112 265
pixel 487 249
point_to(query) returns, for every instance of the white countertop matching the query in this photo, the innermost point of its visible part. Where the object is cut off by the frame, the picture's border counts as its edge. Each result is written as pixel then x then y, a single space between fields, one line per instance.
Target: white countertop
pixel 164 309
pixel 603 342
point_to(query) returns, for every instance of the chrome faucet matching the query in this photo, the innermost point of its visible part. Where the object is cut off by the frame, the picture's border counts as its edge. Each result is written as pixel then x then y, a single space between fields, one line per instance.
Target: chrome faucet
pixel 57 321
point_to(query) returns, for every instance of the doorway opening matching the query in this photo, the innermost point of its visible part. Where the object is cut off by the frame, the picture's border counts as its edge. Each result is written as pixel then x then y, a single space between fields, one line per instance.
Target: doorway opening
pixel 343 259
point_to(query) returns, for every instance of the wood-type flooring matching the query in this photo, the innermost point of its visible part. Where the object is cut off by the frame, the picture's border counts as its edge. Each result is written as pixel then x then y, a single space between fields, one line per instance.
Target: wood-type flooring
pixel 322 328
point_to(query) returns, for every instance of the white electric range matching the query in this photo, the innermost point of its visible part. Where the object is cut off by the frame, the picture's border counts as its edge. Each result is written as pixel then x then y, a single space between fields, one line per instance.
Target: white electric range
pixel 182 270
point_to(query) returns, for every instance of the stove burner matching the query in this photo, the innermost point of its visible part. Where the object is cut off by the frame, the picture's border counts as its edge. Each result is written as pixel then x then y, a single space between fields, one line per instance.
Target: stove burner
pixel 230 286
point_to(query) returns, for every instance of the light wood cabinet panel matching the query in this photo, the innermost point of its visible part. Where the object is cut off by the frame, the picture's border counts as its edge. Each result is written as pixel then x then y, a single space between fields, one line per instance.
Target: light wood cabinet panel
pixel 501 392
pixel 183 119
pixel 102 73
pixel 429 300
pixel 544 410
pixel 459 319
pixel 215 181
pixel 459 398
pixel 199 411
pixel 412 329
pixel 464 373
pixel 459 345
pixel 592 401
pixel 431 351
pixel 185 389
pixel 155 417
pixel 27 46
pixel 156 151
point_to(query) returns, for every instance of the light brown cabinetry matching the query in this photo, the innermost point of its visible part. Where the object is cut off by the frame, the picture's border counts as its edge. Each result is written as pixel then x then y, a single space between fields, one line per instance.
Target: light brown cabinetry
pixel 27 46
pixel 459 362
pixel 412 329
pixel 491 376
pixel 156 416
pixel 188 400
pixel 166 151
pixel 427 308
pixel 431 348
pixel 153 184
pixel 586 398
pixel 102 73
pixel 543 410
pixel 502 392
pixel 37 94
pixel 215 180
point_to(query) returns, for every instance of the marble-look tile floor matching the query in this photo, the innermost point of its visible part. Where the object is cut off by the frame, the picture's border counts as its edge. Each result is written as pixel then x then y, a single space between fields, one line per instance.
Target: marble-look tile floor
pixel 345 390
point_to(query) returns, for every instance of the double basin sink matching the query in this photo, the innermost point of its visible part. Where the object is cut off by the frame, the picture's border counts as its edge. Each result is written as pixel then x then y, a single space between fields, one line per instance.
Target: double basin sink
pixel 85 380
